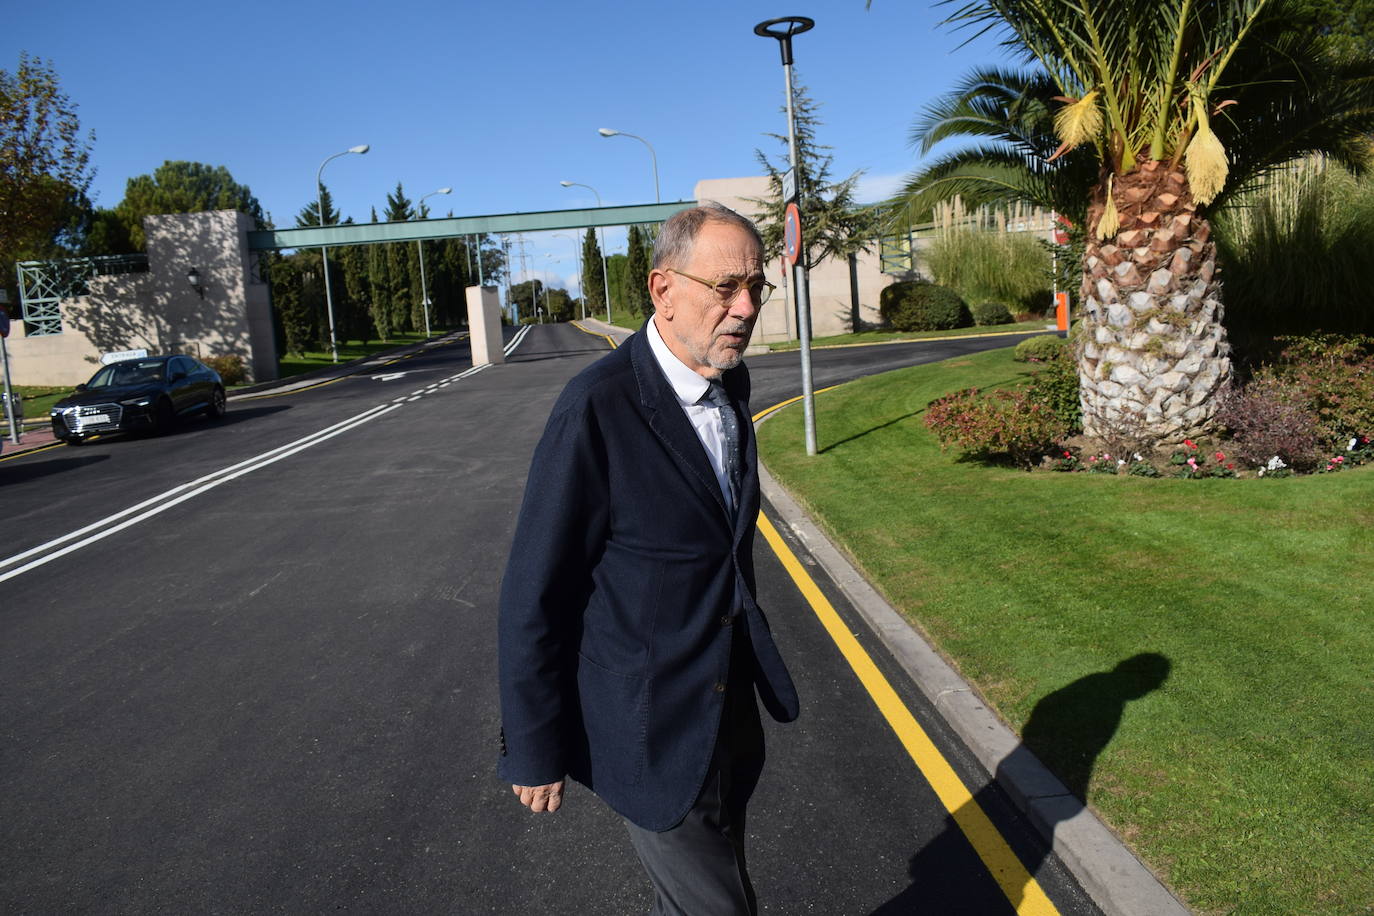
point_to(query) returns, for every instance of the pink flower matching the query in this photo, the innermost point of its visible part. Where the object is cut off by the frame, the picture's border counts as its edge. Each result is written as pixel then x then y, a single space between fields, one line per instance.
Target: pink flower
pixel 1339 459
pixel 1189 443
pixel 1220 456
pixel 1092 457
pixel 1068 455
pixel 1192 463
pixel 1230 466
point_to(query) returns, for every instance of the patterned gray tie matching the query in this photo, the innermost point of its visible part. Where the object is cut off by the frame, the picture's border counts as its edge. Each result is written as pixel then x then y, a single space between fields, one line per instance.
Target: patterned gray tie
pixel 716 397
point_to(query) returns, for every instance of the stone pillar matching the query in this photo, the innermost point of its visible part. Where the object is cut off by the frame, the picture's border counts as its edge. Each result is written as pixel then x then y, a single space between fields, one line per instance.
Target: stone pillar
pixel 484 325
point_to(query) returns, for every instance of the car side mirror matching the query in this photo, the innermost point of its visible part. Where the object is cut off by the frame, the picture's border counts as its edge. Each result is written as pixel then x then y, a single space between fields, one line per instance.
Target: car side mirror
pixel 178 375
pixel 81 387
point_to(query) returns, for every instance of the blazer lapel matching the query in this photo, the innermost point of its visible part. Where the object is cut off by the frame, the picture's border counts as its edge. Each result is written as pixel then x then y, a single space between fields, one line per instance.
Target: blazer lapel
pixel 670 424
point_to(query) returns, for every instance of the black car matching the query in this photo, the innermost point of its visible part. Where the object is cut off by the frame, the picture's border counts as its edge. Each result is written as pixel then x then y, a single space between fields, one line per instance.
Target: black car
pixel 149 393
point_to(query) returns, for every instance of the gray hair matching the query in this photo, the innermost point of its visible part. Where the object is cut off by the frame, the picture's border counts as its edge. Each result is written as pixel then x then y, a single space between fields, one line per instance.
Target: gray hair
pixel 679 233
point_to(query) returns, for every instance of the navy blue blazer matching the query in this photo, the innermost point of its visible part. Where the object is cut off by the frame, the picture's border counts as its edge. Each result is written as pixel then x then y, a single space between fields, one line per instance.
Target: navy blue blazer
pixel 627 583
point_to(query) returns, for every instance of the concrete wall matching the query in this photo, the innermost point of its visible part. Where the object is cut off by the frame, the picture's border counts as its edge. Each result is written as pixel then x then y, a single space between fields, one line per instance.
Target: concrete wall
pixel 830 286
pixel 158 310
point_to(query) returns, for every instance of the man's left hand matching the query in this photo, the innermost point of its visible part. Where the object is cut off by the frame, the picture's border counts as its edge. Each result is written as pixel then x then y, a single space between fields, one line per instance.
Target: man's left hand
pixel 541 798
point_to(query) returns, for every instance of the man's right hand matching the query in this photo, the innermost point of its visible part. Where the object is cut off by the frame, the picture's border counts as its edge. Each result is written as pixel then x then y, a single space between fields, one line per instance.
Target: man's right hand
pixel 541 798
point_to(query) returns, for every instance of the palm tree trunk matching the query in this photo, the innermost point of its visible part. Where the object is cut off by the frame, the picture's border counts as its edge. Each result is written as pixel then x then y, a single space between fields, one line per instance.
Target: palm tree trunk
pixel 1152 352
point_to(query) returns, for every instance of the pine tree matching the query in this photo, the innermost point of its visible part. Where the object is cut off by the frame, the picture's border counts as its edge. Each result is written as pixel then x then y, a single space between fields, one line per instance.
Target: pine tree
pixel 593 277
pixel 834 225
pixel 379 285
pixel 403 266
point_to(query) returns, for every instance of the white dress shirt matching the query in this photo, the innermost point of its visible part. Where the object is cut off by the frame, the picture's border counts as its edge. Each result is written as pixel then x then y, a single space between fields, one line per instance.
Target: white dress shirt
pixel 690 388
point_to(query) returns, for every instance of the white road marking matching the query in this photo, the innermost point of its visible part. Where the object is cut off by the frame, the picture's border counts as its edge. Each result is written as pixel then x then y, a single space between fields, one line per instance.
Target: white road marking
pixel 185 491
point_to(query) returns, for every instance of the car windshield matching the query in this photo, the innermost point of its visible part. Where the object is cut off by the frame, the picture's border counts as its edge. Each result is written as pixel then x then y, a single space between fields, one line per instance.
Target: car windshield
pixel 130 372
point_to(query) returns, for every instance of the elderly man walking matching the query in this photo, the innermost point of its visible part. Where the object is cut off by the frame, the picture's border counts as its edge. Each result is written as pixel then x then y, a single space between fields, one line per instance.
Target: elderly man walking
pixel 631 643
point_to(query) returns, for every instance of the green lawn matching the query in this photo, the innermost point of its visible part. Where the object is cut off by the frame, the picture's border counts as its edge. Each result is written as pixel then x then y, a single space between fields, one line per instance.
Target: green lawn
pixel 869 337
pixel 1248 778
pixel 295 363
pixel 38 399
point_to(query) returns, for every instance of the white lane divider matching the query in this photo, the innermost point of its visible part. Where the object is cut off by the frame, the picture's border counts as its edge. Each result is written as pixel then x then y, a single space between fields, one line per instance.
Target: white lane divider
pixel 177 495
pixel 111 524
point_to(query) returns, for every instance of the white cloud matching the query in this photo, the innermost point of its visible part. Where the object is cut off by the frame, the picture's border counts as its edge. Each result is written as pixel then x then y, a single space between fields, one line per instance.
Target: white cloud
pixel 873 188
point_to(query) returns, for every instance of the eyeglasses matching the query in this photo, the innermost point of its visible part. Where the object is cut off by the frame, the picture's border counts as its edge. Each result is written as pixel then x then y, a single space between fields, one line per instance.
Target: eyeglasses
pixel 729 288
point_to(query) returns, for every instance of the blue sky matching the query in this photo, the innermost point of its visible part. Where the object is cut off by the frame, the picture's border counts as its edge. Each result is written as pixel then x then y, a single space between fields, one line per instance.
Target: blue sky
pixel 500 100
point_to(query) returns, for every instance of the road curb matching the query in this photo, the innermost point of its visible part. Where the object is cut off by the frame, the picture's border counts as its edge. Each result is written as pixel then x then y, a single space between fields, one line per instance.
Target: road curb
pixel 1112 876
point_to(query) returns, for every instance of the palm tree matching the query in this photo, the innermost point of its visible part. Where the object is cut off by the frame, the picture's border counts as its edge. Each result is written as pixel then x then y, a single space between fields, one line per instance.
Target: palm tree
pixel 1135 120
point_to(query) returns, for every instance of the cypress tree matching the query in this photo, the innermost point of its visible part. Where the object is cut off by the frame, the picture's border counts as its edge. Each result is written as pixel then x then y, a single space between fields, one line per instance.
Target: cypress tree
pixel 593 278
pixel 637 274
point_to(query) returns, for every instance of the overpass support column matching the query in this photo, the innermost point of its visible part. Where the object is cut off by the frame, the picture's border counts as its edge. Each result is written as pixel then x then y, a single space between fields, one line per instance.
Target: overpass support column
pixel 484 325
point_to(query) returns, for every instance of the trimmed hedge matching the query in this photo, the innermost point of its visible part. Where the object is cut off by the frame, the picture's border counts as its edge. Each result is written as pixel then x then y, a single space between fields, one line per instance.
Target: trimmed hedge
pixel 1039 349
pixel 919 306
pixel 988 313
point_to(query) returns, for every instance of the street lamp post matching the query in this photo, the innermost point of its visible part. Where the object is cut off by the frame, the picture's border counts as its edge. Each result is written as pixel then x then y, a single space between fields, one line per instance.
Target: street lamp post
pixel 608 132
pixel 605 277
pixel 783 29
pixel 324 249
pixel 424 284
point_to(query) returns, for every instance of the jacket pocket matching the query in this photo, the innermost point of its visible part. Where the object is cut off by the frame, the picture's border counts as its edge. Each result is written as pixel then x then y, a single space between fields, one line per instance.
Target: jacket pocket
pixel 615 714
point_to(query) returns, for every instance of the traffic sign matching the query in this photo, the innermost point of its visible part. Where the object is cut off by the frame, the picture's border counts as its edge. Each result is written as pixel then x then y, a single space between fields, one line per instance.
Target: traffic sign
pixel 792 234
pixel 789 185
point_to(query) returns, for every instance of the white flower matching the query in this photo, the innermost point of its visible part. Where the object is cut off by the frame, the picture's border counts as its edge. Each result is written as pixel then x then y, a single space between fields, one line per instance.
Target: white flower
pixel 1261 472
pixel 1354 441
pixel 1139 457
pixel 1275 463
pixel 1120 462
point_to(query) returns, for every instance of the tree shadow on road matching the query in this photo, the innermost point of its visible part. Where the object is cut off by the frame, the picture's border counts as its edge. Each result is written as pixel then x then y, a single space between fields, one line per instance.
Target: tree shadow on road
pixel 1067 730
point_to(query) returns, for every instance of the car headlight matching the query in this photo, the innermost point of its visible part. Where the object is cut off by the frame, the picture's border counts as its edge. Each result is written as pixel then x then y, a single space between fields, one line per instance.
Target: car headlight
pixel 137 402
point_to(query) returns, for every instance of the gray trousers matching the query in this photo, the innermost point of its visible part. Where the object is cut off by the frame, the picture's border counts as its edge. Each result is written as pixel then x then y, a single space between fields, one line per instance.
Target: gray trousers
pixel 697 867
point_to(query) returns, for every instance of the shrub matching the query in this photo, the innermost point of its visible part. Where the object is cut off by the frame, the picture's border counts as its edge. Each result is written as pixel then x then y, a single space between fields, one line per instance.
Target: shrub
pixel 1335 377
pixel 989 313
pixel 1268 417
pixel 1004 422
pixel 1039 349
pixel 1056 386
pixel 918 306
pixel 230 367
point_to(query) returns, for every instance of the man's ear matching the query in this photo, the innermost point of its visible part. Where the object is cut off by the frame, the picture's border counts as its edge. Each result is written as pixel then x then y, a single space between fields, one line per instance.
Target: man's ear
pixel 658 292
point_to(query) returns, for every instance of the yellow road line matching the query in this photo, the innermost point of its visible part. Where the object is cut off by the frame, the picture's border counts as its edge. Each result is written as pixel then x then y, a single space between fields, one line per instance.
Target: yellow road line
pixel 609 339
pixel 1011 875
pixel 884 343
pixel 33 451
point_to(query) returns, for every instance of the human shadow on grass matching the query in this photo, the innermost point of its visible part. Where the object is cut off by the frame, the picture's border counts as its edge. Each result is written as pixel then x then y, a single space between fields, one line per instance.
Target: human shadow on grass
pixel 1067 730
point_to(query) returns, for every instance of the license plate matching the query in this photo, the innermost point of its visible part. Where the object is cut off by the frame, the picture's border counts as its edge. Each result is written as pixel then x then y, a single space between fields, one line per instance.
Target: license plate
pixel 95 419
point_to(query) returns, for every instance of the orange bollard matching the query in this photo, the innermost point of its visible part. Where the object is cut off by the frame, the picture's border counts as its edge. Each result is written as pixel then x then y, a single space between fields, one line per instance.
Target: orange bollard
pixel 1061 310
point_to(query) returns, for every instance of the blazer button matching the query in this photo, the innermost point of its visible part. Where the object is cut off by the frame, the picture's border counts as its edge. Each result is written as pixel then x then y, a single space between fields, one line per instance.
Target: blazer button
pixel 725 620
pixel 720 688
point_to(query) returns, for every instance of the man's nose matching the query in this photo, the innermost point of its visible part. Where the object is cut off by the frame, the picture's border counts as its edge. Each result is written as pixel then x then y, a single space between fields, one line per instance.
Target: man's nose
pixel 742 305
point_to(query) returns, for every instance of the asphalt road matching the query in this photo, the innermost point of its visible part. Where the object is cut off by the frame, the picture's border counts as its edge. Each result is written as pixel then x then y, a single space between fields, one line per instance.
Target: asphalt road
pixel 273 690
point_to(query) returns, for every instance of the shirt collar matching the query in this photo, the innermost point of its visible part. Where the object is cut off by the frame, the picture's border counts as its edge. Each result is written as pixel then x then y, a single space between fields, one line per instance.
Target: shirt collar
pixel 686 384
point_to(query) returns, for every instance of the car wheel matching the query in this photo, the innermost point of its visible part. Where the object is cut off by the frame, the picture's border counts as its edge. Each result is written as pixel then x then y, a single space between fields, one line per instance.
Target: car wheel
pixel 74 440
pixel 217 404
pixel 163 417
